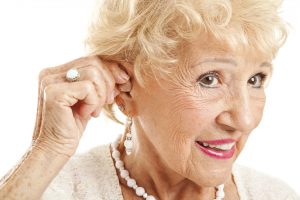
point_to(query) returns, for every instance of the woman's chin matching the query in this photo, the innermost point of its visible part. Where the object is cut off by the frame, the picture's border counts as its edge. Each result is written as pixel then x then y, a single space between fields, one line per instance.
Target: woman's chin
pixel 214 177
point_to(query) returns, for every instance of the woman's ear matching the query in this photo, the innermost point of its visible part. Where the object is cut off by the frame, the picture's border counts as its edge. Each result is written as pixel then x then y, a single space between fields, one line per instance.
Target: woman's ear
pixel 125 100
pixel 126 104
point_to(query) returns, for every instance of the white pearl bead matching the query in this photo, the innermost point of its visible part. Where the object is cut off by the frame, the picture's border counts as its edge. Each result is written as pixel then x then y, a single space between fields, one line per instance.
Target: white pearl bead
pixel 124 173
pixel 145 195
pixel 115 145
pixel 139 191
pixel 220 187
pixel 119 164
pixel 128 144
pixel 116 154
pixel 220 194
pixel 131 182
pixel 128 135
pixel 150 197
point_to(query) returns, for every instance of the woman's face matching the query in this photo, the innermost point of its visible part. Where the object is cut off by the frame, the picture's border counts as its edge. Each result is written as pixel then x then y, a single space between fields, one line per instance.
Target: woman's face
pixel 219 100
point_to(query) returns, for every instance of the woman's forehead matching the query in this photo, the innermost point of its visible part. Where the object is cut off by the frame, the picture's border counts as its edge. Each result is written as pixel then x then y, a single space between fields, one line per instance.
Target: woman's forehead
pixel 208 49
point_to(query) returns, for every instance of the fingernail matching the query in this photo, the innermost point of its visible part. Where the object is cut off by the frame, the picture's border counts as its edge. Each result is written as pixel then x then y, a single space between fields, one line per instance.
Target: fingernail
pixel 124 76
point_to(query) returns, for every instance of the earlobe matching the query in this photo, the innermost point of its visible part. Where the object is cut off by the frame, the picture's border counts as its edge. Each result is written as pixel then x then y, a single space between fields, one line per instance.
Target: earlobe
pixel 126 104
pixel 125 100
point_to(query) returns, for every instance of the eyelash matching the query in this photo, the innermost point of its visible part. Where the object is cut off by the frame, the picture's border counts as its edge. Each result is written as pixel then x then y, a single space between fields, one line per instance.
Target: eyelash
pixel 263 77
pixel 210 73
pixel 215 74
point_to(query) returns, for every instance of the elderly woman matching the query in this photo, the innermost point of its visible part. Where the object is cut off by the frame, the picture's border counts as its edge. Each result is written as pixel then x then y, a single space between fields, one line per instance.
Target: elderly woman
pixel 189 75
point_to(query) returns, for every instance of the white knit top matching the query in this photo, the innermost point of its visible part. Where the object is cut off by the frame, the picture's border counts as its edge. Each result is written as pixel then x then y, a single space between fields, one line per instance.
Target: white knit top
pixel 92 176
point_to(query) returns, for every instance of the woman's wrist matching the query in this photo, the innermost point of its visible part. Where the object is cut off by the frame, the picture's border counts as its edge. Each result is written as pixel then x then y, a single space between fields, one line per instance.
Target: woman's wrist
pixel 30 178
pixel 54 149
pixel 49 154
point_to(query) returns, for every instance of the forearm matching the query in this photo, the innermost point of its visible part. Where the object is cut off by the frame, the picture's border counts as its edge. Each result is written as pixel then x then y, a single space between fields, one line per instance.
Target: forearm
pixel 31 177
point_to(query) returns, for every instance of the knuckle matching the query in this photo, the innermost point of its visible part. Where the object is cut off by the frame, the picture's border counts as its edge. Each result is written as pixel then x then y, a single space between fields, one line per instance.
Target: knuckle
pixel 93 73
pixel 88 85
pixel 110 78
pixel 94 59
pixel 44 72
pixel 45 82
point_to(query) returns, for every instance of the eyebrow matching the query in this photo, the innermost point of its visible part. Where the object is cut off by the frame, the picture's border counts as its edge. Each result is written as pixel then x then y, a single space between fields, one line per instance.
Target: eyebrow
pixel 216 60
pixel 266 64
pixel 227 61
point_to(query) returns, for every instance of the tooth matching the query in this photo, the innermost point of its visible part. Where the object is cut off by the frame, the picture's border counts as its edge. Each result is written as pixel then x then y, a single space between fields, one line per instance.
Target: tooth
pixel 205 144
pixel 223 146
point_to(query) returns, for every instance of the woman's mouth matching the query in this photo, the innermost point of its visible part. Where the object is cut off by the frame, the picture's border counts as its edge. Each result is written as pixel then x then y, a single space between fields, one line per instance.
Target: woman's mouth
pixel 220 149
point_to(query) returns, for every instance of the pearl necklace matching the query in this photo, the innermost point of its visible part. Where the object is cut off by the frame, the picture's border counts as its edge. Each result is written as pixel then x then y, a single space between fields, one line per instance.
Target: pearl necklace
pixel 131 183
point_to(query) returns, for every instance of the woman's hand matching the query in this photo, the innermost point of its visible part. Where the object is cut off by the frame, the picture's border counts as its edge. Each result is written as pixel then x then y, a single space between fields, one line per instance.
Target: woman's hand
pixel 64 108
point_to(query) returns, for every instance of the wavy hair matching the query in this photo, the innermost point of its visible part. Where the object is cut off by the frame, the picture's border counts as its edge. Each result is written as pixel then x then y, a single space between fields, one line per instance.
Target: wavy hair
pixel 148 33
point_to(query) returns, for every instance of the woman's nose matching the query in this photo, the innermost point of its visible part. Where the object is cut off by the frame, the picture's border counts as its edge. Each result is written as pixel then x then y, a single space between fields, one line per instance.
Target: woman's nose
pixel 238 113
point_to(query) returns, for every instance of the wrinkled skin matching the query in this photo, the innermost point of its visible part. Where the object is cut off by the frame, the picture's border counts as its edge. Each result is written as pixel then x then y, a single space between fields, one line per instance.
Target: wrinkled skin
pixel 168 120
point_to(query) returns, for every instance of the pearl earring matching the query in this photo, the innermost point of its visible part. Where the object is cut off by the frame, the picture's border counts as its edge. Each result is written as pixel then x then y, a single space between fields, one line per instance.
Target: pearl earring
pixel 128 143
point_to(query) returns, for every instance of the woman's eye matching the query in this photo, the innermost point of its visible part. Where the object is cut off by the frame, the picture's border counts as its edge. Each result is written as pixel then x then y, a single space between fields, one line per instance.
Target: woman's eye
pixel 257 80
pixel 210 80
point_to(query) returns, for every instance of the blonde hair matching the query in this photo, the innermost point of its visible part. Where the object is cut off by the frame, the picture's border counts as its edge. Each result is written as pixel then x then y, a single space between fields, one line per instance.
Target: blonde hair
pixel 148 33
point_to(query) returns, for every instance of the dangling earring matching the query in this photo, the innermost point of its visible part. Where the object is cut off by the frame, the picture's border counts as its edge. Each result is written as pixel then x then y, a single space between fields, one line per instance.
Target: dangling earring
pixel 128 143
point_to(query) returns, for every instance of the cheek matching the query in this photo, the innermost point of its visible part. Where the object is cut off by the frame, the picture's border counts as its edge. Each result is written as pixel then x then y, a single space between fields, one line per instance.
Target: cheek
pixel 258 106
pixel 190 116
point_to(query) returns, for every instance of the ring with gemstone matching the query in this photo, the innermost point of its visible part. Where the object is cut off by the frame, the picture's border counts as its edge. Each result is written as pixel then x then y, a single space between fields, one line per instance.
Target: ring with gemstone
pixel 72 75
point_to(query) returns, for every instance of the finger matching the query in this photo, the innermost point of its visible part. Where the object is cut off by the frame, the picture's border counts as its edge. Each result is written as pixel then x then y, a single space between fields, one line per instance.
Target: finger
pixel 45 72
pixel 91 73
pixel 38 115
pixel 80 62
pixel 119 74
pixel 97 112
pixel 99 79
pixel 95 64
pixel 68 94
pixel 41 87
pixel 98 72
pixel 87 73
pixel 125 87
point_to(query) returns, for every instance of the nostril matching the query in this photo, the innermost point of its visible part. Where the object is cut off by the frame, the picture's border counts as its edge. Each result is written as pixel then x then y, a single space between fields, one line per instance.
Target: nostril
pixel 226 122
pixel 227 128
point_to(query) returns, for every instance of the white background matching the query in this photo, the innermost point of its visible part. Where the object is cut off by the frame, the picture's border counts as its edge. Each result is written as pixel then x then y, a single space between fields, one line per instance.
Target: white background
pixel 35 34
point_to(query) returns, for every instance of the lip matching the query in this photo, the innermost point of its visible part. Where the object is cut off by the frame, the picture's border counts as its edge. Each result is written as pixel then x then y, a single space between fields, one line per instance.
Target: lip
pixel 218 154
pixel 219 142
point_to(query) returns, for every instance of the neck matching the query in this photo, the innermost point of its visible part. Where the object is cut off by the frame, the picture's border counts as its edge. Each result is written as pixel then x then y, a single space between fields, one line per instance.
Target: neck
pixel 151 172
